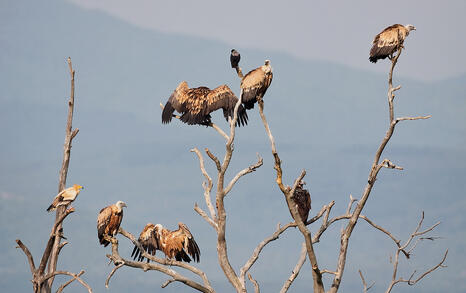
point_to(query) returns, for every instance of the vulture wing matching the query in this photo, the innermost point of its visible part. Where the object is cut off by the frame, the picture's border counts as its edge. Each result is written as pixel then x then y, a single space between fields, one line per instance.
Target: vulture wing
pixel 103 220
pixel 190 244
pixel 149 242
pixel 254 85
pixel 177 101
pixel 56 201
pixel 386 42
pixel 223 97
pixel 302 198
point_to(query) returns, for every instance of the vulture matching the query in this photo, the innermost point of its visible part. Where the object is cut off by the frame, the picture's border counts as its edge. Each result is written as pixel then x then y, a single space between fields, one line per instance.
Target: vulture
pixel 255 84
pixel 65 197
pixel 386 43
pixel 196 104
pixel 174 244
pixel 235 57
pixel 302 199
pixel 108 221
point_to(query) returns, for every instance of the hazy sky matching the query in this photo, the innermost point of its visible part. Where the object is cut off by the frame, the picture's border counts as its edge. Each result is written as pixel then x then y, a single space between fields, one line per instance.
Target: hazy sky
pixel 340 31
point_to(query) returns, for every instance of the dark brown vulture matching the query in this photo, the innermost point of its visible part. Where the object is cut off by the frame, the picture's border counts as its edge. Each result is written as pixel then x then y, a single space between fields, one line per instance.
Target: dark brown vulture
pixel 108 221
pixel 196 104
pixel 65 197
pixel 302 199
pixel 235 57
pixel 149 241
pixel 174 244
pixel 255 84
pixel 386 43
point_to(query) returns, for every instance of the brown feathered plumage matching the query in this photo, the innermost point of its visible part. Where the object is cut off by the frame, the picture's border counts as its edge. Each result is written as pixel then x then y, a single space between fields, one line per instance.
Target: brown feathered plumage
pixel 196 104
pixel 386 43
pixel 149 241
pixel 177 244
pixel 65 197
pixel 255 84
pixel 302 199
pixel 109 220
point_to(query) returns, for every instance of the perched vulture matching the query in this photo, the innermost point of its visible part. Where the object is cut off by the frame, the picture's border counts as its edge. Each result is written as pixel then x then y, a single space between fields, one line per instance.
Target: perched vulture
pixel 386 43
pixel 149 241
pixel 65 197
pixel 302 199
pixel 196 104
pixel 175 244
pixel 109 220
pixel 235 57
pixel 255 84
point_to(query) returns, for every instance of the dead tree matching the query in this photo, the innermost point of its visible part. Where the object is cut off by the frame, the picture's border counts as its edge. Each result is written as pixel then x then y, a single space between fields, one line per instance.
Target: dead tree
pixel 215 216
pixel 43 276
pixel 351 216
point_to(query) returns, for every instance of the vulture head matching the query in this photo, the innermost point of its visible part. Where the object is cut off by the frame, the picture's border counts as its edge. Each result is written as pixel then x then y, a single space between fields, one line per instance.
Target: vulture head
pixel 410 27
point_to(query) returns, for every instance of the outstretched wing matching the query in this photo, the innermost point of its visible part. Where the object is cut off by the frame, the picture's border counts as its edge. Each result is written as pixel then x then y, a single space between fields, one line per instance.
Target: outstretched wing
pixel 386 42
pixel 149 241
pixel 223 97
pixel 190 244
pixel 177 101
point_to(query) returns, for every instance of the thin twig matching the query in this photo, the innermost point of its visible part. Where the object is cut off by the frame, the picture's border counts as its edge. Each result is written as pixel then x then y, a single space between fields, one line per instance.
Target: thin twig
pixel 254 282
pixel 296 270
pixel 113 272
pixel 208 188
pixel 364 284
pixel 69 282
pixel 75 276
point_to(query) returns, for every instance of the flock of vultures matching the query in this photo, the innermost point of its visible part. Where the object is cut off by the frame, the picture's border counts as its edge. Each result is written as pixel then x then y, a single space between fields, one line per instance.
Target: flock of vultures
pixel 195 106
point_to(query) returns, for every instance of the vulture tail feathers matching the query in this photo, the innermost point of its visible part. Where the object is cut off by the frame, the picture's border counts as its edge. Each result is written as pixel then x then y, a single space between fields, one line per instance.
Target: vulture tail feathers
pixel 167 113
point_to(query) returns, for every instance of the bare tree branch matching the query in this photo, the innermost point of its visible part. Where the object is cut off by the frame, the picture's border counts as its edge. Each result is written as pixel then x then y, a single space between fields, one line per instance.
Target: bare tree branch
pixel 364 284
pixel 296 270
pixel 254 282
pixel 412 282
pixel 371 180
pixel 262 244
pixel 70 134
pixel 75 276
pixel 208 188
pixel 288 193
pixel 28 254
pixel 243 172
pixel 69 282
pixel 205 216
pixel 113 272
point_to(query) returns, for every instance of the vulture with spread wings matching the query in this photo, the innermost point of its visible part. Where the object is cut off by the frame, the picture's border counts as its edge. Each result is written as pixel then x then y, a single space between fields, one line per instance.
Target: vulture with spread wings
pixel 174 244
pixel 196 104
